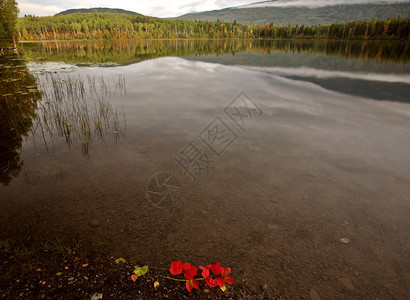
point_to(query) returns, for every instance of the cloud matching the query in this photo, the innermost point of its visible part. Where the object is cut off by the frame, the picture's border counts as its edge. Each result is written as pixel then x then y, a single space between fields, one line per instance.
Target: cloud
pixel 28 8
pixel 166 8
pixel 158 8
pixel 316 3
pixel 325 74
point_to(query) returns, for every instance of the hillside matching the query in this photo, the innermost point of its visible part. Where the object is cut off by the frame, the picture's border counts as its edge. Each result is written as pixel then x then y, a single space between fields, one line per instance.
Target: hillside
pixel 302 15
pixel 98 10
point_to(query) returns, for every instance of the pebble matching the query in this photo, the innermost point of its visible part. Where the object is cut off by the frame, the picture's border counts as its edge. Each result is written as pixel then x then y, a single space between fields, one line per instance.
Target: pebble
pixel 273 227
pixel 94 223
pixel 346 282
pixel 142 148
pixel 96 296
pixel 345 240
pixel 314 295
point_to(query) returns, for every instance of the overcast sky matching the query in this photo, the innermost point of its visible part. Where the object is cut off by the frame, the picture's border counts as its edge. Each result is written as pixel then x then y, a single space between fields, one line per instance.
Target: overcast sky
pixel 162 8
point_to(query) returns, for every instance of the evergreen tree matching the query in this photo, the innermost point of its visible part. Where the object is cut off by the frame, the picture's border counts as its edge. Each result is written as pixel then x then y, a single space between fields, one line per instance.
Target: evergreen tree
pixel 8 17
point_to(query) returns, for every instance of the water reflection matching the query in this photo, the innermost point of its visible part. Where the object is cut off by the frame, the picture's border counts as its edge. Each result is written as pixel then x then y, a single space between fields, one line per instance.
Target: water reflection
pixel 18 103
pixel 51 108
pixel 316 168
pixel 132 51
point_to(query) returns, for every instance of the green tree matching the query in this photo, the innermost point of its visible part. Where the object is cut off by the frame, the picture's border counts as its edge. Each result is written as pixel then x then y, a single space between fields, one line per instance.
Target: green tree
pixel 8 17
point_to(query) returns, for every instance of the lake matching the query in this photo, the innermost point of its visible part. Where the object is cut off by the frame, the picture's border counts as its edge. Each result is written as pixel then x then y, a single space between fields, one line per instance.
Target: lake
pixel 288 161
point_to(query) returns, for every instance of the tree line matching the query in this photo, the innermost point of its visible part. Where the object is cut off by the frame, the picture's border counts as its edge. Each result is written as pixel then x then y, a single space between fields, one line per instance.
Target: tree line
pixel 113 26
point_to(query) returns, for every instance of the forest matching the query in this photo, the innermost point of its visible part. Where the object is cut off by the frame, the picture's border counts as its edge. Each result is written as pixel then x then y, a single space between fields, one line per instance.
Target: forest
pixel 122 26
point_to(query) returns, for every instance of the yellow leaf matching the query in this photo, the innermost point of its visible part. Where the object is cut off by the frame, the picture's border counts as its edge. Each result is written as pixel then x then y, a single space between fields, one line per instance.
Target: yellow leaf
pixel 120 260
pixel 156 284
pixel 59 273
pixel 223 288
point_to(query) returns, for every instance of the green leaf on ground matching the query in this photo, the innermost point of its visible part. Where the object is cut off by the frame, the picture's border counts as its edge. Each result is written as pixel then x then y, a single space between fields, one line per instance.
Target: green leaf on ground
pixel 140 271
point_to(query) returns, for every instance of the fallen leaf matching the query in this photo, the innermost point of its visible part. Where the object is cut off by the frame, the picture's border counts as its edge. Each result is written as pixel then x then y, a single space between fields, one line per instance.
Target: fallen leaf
pixel 85 265
pixel 156 284
pixel 59 273
pixel 223 288
pixel 134 277
pixel 39 270
pixel 140 271
pixel 120 260
pixel 76 259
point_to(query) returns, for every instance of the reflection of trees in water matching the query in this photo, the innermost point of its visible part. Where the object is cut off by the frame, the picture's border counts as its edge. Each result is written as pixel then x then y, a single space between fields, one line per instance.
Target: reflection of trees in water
pixel 130 51
pixel 70 107
pixel 18 102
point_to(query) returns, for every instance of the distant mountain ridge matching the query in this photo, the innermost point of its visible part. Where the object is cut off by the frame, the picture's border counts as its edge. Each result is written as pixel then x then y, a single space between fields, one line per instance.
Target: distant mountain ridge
pixel 315 3
pixel 98 10
pixel 303 15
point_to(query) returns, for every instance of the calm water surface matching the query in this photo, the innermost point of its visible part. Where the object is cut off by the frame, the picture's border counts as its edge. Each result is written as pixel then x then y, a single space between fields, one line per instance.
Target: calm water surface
pixel 287 161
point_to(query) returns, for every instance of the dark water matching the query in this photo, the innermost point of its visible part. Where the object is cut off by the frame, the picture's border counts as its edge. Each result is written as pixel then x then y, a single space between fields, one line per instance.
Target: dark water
pixel 287 161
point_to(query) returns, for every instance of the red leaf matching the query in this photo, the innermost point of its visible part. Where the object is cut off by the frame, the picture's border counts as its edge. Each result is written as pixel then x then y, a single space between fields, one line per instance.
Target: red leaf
pixel 225 272
pixel 187 265
pixel 205 273
pixel 216 268
pixel 176 267
pixel 209 281
pixel 229 280
pixel 219 281
pixel 190 273
pixel 190 284
pixel 195 283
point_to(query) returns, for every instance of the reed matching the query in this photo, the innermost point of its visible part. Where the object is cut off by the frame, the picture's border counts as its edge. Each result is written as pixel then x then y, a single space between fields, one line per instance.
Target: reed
pixel 75 109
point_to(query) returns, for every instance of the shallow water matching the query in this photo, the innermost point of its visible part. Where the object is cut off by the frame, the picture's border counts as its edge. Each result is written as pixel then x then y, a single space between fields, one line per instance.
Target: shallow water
pixel 270 182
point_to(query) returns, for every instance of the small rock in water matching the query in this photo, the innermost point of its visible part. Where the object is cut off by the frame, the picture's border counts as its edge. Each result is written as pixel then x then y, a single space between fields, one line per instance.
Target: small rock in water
pixel 142 148
pixel 314 295
pixel 273 227
pixel 94 223
pixel 346 282
pixel 345 240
